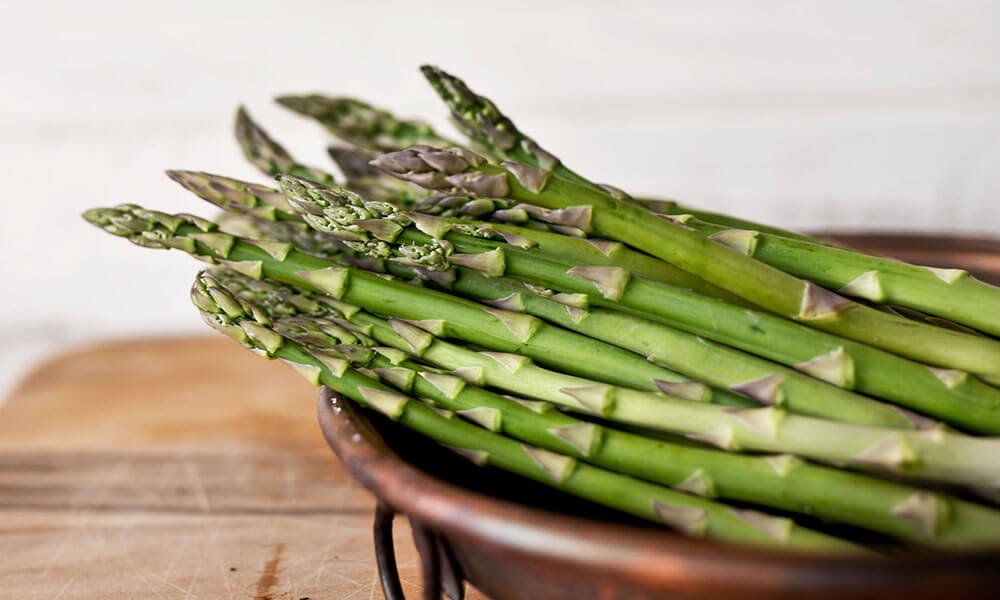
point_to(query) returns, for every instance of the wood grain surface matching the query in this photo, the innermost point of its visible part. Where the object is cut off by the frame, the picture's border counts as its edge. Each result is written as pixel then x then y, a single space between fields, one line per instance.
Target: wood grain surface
pixel 178 468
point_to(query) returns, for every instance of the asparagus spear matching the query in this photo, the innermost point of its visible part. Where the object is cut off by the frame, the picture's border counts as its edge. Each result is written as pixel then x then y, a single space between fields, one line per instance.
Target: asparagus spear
pixel 343 211
pixel 361 124
pixel 373 129
pixel 953 396
pixel 537 223
pixel 793 256
pixel 233 195
pixel 949 293
pixel 481 120
pixel 272 159
pixel 239 196
pixel 268 155
pixel 352 162
pixel 936 455
pixel 776 481
pixel 456 168
pixel 962 399
pixel 452 316
pixel 687 513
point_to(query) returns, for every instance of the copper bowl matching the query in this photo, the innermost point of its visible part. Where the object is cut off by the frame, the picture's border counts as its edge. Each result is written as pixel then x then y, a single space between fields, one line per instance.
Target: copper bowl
pixel 514 539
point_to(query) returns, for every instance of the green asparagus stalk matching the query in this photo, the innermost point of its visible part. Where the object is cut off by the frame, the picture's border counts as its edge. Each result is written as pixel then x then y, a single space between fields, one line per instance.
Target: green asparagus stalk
pixel 371 182
pixel 455 317
pixel 687 513
pixel 765 429
pixel 361 124
pixel 268 155
pixel 304 238
pixel 481 120
pixel 239 196
pixel 259 201
pixel 781 481
pixel 454 169
pixel 949 293
pixel 949 395
pixel 961 399
pixel 353 162
pixel 272 159
pixel 937 455
pixel 343 211
pixel 377 130
pixel 754 429
pixel 547 231
pixel 538 224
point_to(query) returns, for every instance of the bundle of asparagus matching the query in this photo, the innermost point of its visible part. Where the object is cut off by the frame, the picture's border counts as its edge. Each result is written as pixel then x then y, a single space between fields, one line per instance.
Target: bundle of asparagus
pixel 723 378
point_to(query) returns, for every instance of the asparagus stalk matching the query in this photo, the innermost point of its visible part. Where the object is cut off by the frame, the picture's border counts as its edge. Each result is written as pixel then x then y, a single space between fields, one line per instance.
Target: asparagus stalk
pixel 962 399
pixel 718 365
pixel 755 429
pixel 238 196
pixel 361 124
pixel 368 180
pixel 481 120
pixel 453 169
pixel 268 155
pixel 259 201
pixel 950 395
pixel 451 316
pixel 377 130
pixel 937 455
pixel 306 239
pixel 537 228
pixel 353 162
pixel 778 481
pixel 949 293
pixel 272 159
pixel 762 429
pixel 687 513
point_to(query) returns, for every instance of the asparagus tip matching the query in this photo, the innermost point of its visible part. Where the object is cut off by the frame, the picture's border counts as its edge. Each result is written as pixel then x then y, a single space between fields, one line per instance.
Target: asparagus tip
pixel 292 102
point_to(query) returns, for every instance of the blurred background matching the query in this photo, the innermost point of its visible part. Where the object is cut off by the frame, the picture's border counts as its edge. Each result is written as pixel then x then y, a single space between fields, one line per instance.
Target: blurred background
pixel 814 115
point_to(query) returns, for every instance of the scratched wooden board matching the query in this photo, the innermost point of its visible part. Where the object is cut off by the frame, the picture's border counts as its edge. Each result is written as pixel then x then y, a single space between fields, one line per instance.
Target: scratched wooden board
pixel 178 468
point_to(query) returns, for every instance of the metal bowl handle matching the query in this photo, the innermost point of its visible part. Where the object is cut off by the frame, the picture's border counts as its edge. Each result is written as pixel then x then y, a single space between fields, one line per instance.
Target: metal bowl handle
pixel 438 568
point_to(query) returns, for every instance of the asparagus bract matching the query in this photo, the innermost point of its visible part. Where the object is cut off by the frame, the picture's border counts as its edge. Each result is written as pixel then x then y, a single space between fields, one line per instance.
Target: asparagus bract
pixel 268 155
pixel 361 124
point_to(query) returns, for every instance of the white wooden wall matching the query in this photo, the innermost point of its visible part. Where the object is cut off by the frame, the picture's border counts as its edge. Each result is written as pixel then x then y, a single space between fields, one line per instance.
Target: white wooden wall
pixel 851 114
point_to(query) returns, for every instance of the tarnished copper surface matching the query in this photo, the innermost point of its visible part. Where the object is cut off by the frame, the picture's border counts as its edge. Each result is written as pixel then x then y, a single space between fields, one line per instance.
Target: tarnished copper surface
pixel 514 550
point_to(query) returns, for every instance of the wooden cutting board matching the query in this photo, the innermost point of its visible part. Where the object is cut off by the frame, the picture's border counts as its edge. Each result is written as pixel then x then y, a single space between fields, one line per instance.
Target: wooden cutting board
pixel 178 468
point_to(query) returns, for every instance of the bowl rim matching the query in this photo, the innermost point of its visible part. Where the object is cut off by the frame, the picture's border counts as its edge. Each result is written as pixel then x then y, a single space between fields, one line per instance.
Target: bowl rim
pixel 644 555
